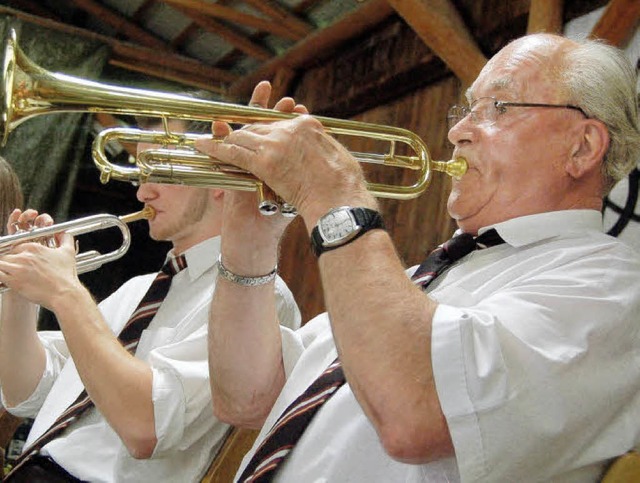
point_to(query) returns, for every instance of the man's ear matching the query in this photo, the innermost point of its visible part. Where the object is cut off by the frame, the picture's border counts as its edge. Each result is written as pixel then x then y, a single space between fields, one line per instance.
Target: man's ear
pixel 593 143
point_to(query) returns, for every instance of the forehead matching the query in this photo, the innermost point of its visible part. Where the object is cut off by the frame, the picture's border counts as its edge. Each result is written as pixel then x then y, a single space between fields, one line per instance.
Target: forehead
pixel 520 72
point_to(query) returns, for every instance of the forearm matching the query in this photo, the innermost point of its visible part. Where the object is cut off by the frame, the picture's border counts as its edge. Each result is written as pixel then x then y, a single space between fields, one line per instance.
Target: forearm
pixel 382 328
pixel 119 384
pixel 22 356
pixel 245 353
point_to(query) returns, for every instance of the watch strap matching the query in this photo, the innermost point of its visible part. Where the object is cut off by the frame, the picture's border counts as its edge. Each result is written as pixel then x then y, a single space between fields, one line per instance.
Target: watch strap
pixel 366 218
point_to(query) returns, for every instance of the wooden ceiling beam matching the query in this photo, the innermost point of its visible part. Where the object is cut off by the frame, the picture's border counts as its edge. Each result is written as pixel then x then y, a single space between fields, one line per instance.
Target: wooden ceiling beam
pixel 305 53
pixel 305 5
pixel 180 64
pixel 167 74
pixel 281 83
pixel 441 28
pixel 129 50
pixel 33 6
pixel 142 10
pixel 545 16
pixel 280 14
pixel 235 16
pixel 178 41
pixel 121 24
pixel 618 22
pixel 237 40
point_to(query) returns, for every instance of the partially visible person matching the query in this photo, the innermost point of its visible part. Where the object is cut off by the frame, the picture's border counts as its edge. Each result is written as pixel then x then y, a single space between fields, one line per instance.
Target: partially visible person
pixel 518 363
pixel 152 418
pixel 10 198
pixel 10 192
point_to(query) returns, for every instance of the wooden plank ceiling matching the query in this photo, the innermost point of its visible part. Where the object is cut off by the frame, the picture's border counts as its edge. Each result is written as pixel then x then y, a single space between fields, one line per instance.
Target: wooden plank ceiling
pixel 226 46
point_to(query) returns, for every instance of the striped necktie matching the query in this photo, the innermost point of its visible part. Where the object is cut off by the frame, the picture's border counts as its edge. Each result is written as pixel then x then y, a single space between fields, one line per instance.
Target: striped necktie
pixel 450 252
pixel 129 337
pixel 289 427
pixel 291 424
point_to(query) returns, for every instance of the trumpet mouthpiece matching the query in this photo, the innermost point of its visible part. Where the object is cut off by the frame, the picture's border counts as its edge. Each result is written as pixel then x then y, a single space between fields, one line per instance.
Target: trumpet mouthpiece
pixel 148 213
pixel 145 214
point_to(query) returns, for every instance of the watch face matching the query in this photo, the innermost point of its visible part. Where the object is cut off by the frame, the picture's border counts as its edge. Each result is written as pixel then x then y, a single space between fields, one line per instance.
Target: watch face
pixel 337 226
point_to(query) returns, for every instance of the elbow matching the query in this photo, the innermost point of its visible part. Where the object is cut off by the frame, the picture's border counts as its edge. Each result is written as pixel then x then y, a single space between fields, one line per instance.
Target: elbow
pixel 413 443
pixel 248 416
pixel 141 446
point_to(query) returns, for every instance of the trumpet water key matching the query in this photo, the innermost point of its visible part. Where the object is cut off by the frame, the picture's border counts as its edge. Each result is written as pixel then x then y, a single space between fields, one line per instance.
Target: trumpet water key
pixel 85 261
pixel 28 90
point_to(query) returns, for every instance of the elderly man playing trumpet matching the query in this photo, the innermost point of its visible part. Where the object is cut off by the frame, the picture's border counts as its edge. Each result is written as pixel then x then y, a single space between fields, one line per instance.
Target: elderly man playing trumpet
pixel 139 357
pixel 518 363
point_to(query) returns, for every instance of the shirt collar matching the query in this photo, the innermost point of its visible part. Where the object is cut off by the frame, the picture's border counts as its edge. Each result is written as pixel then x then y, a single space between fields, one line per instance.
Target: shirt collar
pixel 528 229
pixel 200 257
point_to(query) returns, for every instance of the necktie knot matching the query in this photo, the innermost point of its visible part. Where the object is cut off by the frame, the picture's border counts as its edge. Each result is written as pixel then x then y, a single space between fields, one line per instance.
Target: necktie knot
pixel 174 265
pixel 450 252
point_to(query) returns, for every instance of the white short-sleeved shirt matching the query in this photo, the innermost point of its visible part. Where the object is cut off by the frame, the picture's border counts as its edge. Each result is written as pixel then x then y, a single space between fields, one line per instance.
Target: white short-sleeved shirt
pixel 536 356
pixel 175 346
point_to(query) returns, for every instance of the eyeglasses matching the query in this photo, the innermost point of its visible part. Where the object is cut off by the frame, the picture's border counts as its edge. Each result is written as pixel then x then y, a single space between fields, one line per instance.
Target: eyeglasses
pixel 488 109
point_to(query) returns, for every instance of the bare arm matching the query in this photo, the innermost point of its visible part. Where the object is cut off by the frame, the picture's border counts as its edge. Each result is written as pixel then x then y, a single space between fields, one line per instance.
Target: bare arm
pixel 381 322
pixel 22 357
pixel 245 352
pixel 118 383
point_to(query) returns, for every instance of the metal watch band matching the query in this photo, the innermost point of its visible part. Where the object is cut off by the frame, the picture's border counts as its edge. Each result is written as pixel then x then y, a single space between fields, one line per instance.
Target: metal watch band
pixel 243 280
pixel 366 218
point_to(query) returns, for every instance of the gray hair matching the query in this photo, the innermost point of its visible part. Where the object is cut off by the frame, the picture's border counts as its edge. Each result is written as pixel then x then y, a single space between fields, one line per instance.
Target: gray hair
pixel 600 79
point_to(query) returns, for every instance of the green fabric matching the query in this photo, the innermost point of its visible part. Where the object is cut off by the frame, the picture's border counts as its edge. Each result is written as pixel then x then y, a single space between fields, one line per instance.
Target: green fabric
pixel 47 150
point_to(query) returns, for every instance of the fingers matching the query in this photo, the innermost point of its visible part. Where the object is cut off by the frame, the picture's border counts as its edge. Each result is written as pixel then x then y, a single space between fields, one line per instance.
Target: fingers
pixel 43 220
pixel 261 94
pixel 26 220
pixel 220 129
pixel 286 104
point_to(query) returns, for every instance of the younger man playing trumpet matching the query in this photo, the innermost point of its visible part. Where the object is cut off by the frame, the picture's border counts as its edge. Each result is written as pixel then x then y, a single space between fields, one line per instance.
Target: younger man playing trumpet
pixel 152 419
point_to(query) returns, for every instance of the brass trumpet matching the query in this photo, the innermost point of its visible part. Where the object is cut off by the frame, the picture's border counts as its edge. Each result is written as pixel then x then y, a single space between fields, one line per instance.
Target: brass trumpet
pixel 29 90
pixel 85 261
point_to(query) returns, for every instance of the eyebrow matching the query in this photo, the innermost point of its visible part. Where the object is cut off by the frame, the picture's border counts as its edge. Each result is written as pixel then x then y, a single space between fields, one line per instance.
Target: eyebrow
pixel 500 84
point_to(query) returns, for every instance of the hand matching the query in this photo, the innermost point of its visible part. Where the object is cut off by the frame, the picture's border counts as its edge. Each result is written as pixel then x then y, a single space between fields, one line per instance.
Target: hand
pixel 245 230
pixel 36 272
pixel 304 165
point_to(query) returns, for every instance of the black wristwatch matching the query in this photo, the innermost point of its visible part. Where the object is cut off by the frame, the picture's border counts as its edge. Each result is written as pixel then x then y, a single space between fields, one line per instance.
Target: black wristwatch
pixel 341 226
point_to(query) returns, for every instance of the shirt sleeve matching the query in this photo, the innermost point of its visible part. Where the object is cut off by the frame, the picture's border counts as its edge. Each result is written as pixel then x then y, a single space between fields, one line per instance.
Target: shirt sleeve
pixel 181 390
pixel 519 372
pixel 181 393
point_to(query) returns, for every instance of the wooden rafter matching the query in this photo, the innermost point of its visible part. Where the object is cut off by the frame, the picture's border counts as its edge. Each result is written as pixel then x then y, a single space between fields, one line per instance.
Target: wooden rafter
pixel 181 77
pixel 129 50
pixel 545 16
pixel 232 15
pixel 279 14
pixel 36 8
pixel 440 26
pixel 142 10
pixel 618 22
pixel 237 40
pixel 178 41
pixel 281 82
pixel 121 24
pixel 305 52
pixel 305 5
